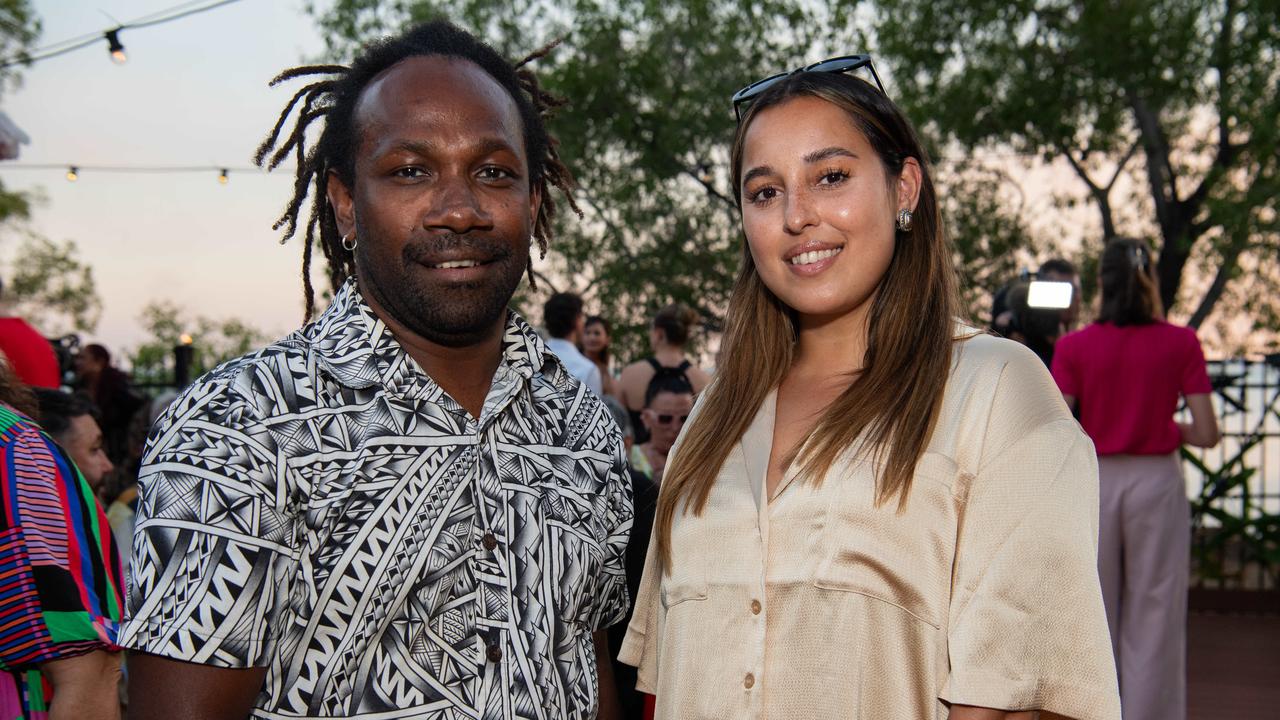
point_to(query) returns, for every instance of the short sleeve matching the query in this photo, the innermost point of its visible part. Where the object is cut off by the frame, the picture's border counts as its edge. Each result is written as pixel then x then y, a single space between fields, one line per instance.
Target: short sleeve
pixel 59 566
pixel 610 600
pixel 1065 371
pixel 640 648
pixel 213 549
pixel 1027 626
pixel 1195 376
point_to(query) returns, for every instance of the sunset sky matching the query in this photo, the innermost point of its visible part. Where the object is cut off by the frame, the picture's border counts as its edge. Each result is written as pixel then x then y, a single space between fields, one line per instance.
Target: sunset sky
pixel 193 92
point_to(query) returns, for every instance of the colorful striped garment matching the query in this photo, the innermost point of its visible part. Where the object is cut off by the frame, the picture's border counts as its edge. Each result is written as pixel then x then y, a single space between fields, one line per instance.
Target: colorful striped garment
pixel 60 578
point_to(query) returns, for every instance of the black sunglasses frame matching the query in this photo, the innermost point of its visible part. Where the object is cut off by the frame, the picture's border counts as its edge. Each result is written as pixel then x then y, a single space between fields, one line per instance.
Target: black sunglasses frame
pixel 841 64
pixel 666 419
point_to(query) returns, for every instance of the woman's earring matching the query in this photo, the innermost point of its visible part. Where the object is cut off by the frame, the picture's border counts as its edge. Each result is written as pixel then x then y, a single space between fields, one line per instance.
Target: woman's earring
pixel 349 242
pixel 904 220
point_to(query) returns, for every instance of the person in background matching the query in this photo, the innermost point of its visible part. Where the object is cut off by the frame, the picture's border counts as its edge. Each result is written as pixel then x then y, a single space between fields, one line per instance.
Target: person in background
pixel 30 355
pixel 644 501
pixel 112 392
pixel 1125 374
pixel 596 337
pixel 72 422
pixel 562 316
pixel 874 511
pixel 668 336
pixel 61 588
pixel 667 403
pixel 1062 270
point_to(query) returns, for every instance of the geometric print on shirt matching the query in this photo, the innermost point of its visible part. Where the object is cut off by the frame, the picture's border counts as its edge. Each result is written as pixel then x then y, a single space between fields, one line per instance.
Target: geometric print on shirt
pixel 323 509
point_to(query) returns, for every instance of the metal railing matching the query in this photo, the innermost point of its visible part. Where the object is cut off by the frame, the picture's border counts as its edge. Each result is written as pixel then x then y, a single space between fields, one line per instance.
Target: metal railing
pixel 1235 486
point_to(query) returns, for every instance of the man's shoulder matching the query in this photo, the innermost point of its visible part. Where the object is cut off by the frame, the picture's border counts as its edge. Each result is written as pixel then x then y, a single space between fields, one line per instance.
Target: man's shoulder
pixel 265 378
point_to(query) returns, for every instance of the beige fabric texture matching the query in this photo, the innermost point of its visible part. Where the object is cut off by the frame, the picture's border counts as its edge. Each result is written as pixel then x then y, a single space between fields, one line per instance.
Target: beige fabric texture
pixel 817 604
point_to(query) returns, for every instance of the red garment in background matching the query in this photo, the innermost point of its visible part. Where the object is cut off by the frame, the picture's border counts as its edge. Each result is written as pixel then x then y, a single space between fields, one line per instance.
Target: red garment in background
pixel 1126 382
pixel 29 354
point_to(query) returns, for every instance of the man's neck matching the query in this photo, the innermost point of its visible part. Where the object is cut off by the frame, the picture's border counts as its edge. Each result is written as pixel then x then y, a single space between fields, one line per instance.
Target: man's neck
pixel 465 373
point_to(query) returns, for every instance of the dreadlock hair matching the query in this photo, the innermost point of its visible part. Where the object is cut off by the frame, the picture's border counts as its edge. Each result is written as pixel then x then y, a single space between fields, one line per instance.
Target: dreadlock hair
pixel 335 100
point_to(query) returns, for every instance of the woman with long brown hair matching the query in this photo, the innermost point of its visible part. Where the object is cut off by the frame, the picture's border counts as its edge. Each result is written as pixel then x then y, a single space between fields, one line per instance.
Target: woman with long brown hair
pixel 874 511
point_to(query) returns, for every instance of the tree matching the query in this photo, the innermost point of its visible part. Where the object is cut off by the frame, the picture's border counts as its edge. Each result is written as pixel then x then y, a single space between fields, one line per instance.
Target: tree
pixel 168 325
pixel 646 132
pixel 53 288
pixel 1176 99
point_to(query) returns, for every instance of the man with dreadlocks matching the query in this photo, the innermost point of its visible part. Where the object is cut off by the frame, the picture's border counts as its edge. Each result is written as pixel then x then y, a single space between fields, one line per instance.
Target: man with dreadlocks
pixel 407 508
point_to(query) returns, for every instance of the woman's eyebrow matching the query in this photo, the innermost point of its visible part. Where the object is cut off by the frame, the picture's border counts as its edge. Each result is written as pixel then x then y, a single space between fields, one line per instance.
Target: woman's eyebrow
pixel 833 151
pixel 756 172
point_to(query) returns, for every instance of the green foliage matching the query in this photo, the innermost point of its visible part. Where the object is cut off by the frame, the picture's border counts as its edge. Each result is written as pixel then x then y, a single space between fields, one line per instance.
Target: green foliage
pixel 214 341
pixel 1177 97
pixel 53 288
pixel 646 132
pixel 1246 537
pixel 19 28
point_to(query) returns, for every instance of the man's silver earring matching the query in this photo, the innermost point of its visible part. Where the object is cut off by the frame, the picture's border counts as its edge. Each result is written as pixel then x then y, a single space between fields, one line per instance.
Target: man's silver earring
pixel 904 220
pixel 349 242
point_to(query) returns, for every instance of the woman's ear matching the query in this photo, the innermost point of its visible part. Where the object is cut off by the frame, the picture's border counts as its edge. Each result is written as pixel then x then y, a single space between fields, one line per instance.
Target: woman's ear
pixel 908 185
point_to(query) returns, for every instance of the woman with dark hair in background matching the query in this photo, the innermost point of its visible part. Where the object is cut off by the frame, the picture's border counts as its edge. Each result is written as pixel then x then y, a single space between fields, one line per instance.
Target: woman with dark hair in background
pixel 595 345
pixel 668 335
pixel 874 512
pixel 1125 374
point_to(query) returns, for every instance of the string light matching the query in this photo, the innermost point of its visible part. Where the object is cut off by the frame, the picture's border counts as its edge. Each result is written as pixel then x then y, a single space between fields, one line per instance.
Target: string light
pixel 222 176
pixel 73 174
pixel 115 48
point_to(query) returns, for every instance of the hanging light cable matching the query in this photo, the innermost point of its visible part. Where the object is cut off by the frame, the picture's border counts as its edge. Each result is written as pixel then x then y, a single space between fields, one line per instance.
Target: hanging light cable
pixel 114 47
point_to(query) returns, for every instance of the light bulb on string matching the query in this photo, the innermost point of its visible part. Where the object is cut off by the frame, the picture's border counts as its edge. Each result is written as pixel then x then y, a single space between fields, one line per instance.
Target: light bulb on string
pixel 114 47
pixel 73 174
pixel 222 176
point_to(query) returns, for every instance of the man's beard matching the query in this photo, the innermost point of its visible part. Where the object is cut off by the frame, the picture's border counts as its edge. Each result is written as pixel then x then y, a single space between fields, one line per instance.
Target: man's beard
pixel 447 314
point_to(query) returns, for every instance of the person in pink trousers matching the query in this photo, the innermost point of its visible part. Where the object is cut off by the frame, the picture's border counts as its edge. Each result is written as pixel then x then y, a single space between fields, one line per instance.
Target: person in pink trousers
pixel 1124 375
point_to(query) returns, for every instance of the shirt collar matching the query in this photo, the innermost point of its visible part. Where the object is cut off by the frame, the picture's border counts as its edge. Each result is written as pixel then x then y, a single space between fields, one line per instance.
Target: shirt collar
pixel 359 350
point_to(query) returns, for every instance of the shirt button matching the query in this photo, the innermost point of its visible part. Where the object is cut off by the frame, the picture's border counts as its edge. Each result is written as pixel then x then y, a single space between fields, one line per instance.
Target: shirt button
pixel 755 607
pixel 749 681
pixel 490 542
pixel 494 653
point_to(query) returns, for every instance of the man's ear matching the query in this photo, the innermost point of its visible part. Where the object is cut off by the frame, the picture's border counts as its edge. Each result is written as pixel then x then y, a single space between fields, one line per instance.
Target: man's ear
pixel 342 203
pixel 535 204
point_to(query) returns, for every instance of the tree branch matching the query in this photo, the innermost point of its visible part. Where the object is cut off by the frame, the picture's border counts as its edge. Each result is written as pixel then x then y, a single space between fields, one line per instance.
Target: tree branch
pixel 1226 152
pixel 1226 270
pixel 711 190
pixel 1100 194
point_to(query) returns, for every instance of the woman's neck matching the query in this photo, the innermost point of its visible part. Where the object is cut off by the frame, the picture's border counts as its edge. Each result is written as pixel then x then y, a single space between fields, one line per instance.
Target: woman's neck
pixel 833 345
pixel 669 355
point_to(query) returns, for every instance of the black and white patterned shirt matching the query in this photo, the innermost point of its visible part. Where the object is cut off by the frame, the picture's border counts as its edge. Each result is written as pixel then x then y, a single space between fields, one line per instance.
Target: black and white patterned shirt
pixel 323 509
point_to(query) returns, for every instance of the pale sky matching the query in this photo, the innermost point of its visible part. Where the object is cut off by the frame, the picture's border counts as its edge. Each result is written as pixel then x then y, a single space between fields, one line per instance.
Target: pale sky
pixel 193 92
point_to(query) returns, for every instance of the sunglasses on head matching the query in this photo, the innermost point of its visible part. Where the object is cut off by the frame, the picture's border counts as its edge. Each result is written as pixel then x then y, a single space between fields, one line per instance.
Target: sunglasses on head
pixel 666 419
pixel 842 64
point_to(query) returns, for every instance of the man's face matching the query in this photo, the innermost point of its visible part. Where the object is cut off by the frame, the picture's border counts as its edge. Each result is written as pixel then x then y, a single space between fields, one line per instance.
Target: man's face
pixel 83 442
pixel 664 417
pixel 441 205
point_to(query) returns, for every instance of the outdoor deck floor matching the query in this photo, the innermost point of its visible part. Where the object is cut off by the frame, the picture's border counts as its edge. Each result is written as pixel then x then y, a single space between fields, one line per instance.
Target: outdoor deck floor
pixel 1233 667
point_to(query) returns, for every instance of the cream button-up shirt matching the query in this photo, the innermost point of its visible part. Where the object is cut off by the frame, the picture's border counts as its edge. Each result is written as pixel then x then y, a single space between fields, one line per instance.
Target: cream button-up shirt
pixel 816 604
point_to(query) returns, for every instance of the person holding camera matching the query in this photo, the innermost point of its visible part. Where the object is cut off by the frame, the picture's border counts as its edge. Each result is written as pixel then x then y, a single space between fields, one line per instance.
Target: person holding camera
pixel 1124 374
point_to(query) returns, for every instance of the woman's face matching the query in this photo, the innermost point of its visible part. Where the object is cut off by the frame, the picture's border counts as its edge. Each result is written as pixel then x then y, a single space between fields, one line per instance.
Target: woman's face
pixel 594 338
pixel 818 207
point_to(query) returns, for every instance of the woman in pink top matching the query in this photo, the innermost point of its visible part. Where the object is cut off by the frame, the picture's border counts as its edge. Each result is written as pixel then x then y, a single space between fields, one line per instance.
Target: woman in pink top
pixel 1124 374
